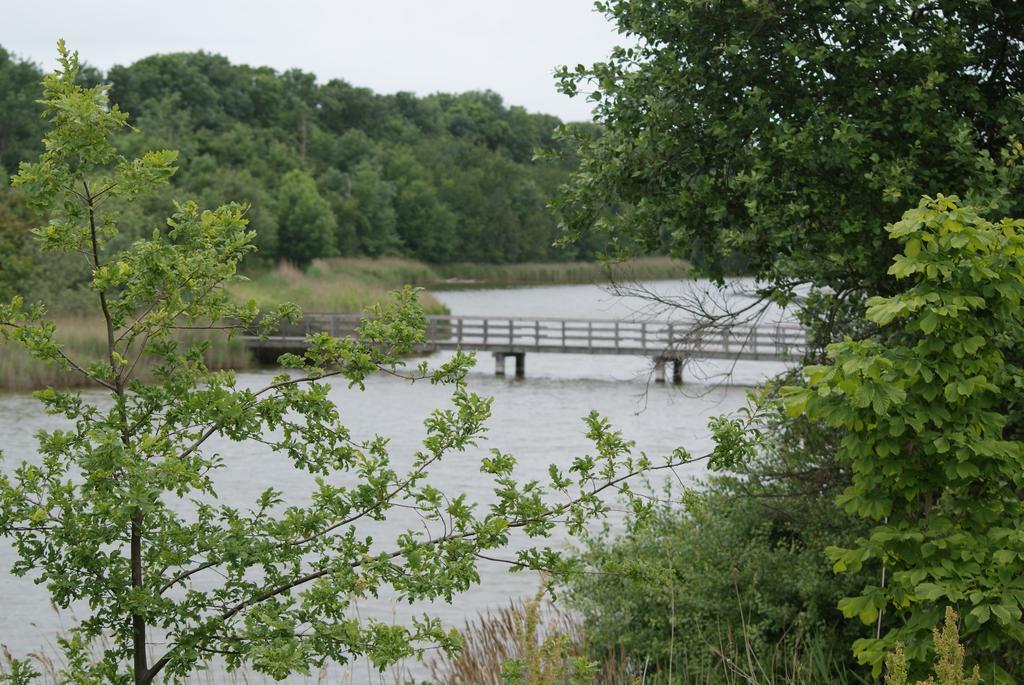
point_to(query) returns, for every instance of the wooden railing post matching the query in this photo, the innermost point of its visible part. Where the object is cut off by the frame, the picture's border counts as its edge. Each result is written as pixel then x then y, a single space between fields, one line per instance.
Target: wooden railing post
pixel 485 331
pixel 563 334
pixel 511 329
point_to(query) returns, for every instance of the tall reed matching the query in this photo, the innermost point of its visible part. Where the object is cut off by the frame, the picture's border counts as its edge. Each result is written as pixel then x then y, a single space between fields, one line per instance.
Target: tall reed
pixel 85 340
pixel 546 645
pixel 336 285
pixel 350 284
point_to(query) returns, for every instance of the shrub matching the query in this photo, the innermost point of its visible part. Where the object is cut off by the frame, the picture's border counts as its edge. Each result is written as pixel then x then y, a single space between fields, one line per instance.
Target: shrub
pixel 736 572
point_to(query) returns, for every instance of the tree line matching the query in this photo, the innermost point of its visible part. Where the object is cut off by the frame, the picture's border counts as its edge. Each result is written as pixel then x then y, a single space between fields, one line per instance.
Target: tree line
pixel 328 169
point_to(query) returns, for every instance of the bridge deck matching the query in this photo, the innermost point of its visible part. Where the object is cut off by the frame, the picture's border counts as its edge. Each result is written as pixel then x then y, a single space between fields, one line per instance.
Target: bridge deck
pixel 660 340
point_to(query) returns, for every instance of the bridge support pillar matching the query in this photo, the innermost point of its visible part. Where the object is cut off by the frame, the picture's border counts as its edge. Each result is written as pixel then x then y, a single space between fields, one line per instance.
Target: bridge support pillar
pixel 677 372
pixel 659 370
pixel 499 363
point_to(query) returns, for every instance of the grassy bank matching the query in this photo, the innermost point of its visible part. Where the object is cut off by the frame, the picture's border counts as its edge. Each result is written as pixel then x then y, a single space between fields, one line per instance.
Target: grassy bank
pixel 350 284
pixel 337 285
pixel 330 285
pixel 553 273
pixel 85 341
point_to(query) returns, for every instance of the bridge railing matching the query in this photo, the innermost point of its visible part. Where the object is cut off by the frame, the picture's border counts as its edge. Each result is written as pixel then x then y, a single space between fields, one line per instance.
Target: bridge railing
pixel 653 338
pixel 648 337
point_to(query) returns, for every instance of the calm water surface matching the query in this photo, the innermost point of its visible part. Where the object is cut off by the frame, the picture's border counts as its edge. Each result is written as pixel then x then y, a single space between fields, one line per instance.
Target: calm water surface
pixel 537 419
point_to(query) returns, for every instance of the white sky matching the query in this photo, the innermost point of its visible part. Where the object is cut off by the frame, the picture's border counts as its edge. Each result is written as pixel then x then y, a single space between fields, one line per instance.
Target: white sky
pixel 423 46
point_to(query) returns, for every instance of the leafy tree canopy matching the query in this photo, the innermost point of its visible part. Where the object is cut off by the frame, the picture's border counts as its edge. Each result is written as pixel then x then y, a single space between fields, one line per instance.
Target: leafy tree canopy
pixel 307 223
pixel 778 138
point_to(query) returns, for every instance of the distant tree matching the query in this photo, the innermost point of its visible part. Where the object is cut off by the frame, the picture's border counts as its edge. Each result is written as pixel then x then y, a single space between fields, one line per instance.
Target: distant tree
pixel 477 117
pixel 344 107
pixel 296 116
pixel 336 187
pixel 425 224
pixel 231 185
pixel 489 218
pixel 208 86
pixel 305 221
pixel 20 124
pixel 165 588
pixel 373 211
pixel 343 152
pixel 424 113
pixel 263 152
pixel 18 264
pixel 779 138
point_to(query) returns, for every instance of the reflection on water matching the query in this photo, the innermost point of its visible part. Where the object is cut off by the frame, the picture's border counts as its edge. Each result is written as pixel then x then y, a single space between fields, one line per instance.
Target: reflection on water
pixel 537 419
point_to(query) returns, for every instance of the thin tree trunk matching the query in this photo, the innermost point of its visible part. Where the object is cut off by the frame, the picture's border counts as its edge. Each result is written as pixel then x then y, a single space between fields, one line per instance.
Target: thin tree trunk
pixel 141 673
pixel 138 621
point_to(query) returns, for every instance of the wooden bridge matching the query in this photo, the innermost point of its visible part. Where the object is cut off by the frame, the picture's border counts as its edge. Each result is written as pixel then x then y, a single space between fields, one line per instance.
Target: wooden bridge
pixel 666 343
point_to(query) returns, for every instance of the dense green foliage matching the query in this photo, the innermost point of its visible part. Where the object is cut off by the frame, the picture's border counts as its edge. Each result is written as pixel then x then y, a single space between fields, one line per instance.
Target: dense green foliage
pixel 20 125
pixel 929 420
pixel 781 137
pixel 328 168
pixel 120 516
pixel 737 566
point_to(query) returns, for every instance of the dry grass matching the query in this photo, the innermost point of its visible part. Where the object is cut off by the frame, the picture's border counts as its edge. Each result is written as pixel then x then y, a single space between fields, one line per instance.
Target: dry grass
pixel 548 647
pixel 336 285
pixel 352 284
pixel 541 638
pixel 551 273
pixel 84 340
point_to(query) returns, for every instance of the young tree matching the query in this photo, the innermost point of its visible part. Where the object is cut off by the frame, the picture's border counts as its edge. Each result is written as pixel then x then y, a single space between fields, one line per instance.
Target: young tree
pixel 95 519
pixel 928 421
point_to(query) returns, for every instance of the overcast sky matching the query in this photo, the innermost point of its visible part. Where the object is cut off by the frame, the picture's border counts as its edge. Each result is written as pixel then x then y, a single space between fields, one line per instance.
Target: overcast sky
pixel 424 46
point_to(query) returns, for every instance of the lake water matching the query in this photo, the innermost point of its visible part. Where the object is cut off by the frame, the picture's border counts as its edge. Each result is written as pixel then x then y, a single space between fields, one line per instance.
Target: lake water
pixel 538 419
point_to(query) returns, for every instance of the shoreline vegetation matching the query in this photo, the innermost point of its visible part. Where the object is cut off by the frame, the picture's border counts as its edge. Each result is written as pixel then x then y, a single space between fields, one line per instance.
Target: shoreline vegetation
pixel 350 284
pixel 340 285
pixel 85 339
